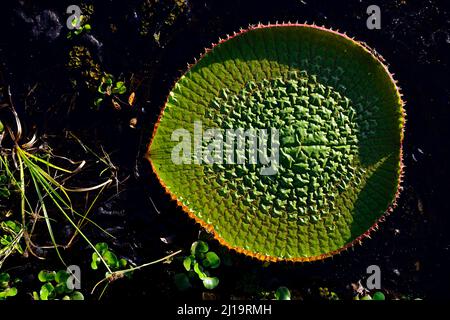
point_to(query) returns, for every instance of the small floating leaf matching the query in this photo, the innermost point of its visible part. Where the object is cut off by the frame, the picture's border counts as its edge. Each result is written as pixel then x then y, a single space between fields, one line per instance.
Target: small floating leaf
pixel 210 282
pixel 283 293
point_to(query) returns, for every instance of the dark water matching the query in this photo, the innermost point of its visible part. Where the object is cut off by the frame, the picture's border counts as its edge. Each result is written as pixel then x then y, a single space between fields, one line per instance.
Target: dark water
pixel 412 247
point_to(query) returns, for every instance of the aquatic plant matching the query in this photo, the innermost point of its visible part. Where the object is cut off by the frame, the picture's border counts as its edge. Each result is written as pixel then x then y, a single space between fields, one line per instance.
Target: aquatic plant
pixel 282 293
pixel 199 264
pixel 7 286
pixel 111 259
pixel 55 287
pixel 35 181
pixel 340 120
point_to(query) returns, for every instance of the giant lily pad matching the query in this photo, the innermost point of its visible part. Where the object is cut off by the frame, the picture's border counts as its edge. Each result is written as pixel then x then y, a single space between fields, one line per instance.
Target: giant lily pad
pixel 324 103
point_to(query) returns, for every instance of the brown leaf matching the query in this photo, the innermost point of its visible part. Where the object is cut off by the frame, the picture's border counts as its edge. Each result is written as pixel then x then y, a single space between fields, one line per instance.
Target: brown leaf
pixel 116 105
pixel 131 98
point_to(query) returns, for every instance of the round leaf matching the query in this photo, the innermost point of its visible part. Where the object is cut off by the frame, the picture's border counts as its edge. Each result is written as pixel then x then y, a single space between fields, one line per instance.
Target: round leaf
pixel 62 276
pixel 210 282
pixel 199 247
pixel 60 289
pixel 187 263
pixel 46 276
pixel 333 120
pixel 378 296
pixel 47 291
pixel 101 247
pixel 111 259
pixel 123 263
pixel 11 292
pixel 283 293
pixel 212 260
pixel 76 295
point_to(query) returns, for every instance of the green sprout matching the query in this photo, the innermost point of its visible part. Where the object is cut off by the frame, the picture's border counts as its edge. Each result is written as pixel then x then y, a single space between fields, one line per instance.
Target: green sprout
pixel 83 27
pixel 7 286
pixel 197 264
pixel 109 89
pixel 111 259
pixel 55 287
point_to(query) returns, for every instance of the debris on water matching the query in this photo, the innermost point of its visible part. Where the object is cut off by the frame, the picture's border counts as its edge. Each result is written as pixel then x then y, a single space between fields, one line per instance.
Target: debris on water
pixel 359 288
pixel 420 151
pixel 44 25
pixel 417 265
pixel 110 212
pixel 167 240
pixel 420 206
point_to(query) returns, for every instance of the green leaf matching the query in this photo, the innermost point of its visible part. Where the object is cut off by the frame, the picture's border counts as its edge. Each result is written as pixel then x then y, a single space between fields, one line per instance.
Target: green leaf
pixel 35 295
pixel 210 282
pixel 109 80
pixel 120 88
pixel 212 260
pixel 366 297
pixel 123 263
pixel 182 281
pixel 98 102
pixel 339 119
pixel 283 293
pixel 76 295
pixel 11 292
pixel 95 260
pixel 60 289
pixel 47 292
pixel 46 276
pixel 74 22
pixel 378 296
pixel 8 292
pixel 101 247
pixel 4 278
pixel 62 276
pixel 4 192
pixel 87 27
pixel 187 263
pixel 199 247
pixel 199 271
pixel 111 259
pixel 9 224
